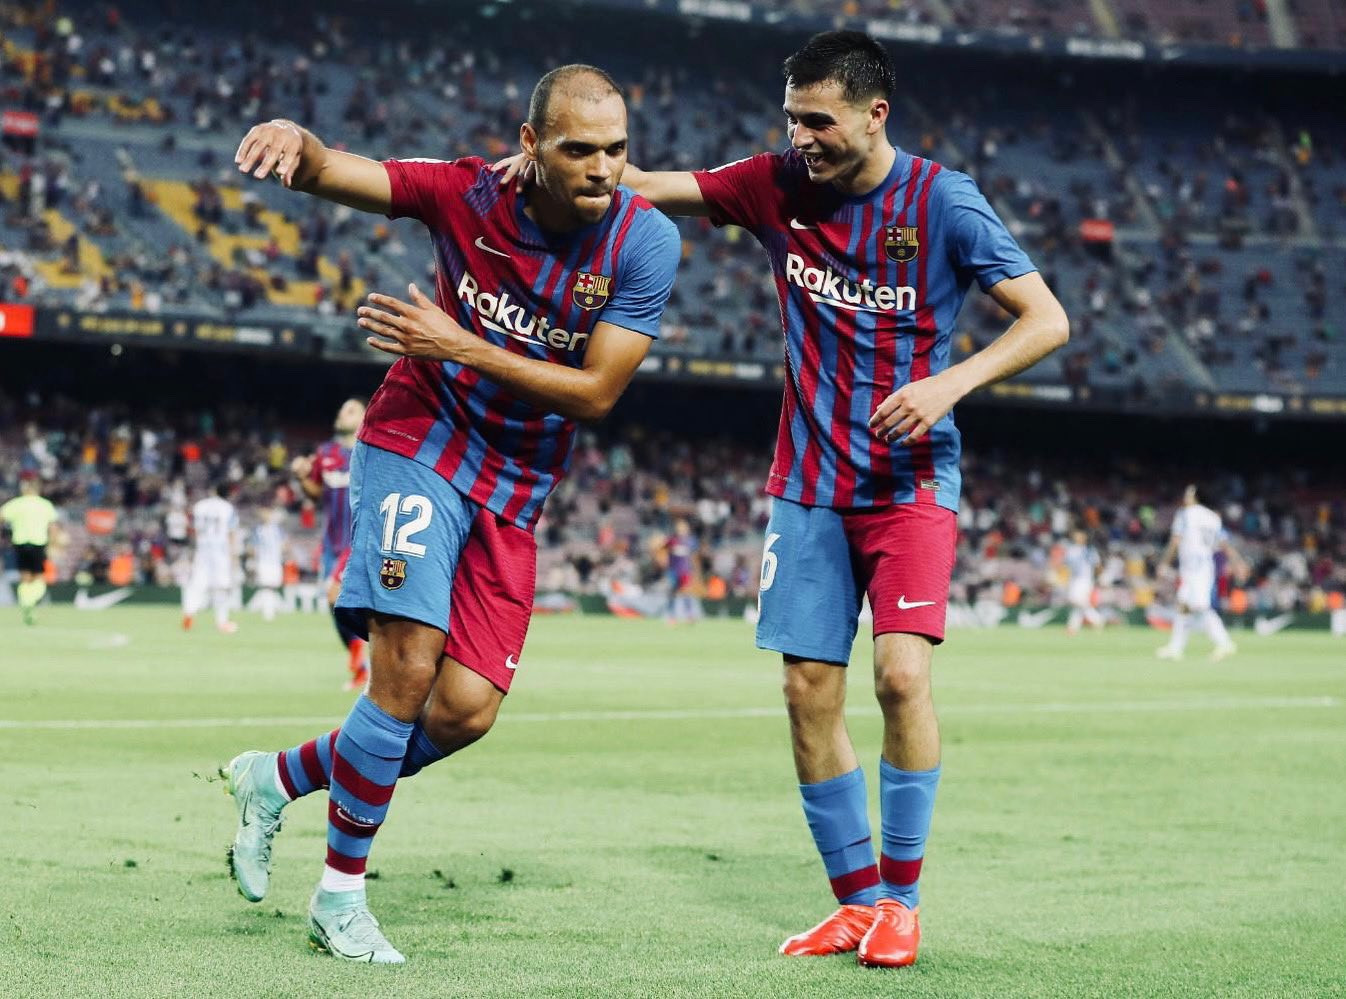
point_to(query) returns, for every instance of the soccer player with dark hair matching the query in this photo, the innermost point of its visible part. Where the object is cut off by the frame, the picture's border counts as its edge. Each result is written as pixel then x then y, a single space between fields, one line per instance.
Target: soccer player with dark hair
pixel 545 305
pixel 873 250
pixel 325 478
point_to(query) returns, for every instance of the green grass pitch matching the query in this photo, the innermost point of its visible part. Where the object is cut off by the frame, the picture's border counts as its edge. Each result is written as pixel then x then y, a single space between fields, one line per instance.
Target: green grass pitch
pixel 1108 825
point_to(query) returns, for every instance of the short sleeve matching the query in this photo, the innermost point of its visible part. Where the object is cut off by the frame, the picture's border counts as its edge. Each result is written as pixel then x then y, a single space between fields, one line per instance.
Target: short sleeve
pixel 646 266
pixel 739 193
pixel 427 190
pixel 979 243
pixel 1179 523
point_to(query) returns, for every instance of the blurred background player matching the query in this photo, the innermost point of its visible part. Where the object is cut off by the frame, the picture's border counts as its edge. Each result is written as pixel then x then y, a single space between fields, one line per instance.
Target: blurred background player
pixel 30 517
pixel 268 560
pixel 1081 561
pixel 325 478
pixel 1197 535
pixel 214 560
pixel 684 607
pixel 358 663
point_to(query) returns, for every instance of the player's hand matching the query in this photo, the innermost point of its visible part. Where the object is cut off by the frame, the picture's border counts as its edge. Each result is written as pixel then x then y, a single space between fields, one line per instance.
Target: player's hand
pixel 418 328
pixel 517 168
pixel 275 146
pixel 908 414
pixel 301 467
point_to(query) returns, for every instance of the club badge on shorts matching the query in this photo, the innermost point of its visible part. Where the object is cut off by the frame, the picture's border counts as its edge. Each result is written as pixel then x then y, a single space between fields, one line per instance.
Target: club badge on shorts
pixel 591 290
pixel 393 573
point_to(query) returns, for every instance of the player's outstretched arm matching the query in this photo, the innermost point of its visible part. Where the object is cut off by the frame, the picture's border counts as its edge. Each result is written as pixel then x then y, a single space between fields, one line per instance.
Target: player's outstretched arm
pixel 421 329
pixel 673 192
pixel 303 163
pixel 1040 327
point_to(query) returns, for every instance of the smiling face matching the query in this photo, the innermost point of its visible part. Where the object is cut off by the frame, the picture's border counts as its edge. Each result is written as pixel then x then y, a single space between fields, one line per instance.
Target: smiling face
pixel 838 138
pixel 579 156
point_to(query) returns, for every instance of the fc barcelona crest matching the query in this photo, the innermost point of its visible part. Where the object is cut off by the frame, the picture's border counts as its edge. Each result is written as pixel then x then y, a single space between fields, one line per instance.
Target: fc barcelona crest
pixel 901 243
pixel 591 290
pixel 393 573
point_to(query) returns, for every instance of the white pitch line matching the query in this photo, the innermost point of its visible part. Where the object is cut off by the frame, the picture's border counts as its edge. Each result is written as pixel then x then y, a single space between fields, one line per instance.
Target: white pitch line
pixel 706 714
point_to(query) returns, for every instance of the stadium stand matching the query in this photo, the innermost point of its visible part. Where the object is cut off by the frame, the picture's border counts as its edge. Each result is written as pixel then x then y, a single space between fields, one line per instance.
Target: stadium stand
pixel 1223 267
pixel 122 207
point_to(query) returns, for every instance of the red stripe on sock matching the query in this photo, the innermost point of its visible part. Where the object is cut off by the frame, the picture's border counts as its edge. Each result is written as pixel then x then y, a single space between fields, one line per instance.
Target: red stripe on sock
pixel 344 864
pixel 900 872
pixel 848 884
pixel 365 790
pixel 283 772
pixel 308 756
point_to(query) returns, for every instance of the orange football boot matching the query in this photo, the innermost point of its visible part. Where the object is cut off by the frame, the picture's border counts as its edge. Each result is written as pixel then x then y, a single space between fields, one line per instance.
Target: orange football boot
pixel 893 939
pixel 839 933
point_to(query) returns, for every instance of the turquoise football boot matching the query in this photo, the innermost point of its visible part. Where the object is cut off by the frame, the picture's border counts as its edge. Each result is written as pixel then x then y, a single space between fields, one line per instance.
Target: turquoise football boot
pixel 251 779
pixel 340 924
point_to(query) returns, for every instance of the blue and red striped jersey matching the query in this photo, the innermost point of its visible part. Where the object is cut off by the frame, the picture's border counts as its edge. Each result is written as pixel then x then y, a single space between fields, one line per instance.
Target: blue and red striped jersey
pixel 869 289
pixel 332 471
pixel 532 292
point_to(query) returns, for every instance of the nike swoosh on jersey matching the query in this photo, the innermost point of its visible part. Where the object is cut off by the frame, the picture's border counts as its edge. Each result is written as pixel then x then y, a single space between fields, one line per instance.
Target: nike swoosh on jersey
pixel 510 663
pixel 480 244
pixel 904 604
pixel 796 224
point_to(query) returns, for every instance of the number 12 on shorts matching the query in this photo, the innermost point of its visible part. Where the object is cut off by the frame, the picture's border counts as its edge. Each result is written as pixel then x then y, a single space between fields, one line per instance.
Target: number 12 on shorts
pixel 398 539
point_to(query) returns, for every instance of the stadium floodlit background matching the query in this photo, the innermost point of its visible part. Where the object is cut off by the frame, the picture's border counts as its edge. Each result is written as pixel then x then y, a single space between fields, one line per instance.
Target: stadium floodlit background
pixel 1108 825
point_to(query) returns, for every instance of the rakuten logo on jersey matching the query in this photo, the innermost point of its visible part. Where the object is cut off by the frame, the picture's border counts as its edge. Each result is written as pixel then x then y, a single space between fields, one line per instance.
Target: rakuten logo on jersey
pixel 830 288
pixel 499 313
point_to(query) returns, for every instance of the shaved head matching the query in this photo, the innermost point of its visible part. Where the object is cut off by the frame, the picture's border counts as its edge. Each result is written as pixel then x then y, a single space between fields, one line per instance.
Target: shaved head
pixel 576 82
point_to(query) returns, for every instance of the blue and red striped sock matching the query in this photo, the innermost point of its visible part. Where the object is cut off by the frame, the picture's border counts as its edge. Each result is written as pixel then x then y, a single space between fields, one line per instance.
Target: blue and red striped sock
pixel 837 811
pixel 906 802
pixel 308 767
pixel 366 759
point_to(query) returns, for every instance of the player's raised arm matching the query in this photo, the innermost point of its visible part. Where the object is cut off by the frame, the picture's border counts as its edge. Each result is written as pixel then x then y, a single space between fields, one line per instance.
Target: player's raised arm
pixel 421 329
pixel 302 162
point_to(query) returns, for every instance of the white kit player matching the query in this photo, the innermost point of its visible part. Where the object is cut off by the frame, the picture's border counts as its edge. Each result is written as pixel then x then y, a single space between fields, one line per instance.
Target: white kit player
pixel 212 578
pixel 268 561
pixel 1081 561
pixel 1197 535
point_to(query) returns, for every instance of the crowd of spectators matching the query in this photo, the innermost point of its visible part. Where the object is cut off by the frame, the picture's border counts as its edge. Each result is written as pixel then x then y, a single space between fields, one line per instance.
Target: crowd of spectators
pixel 1185 194
pixel 123 482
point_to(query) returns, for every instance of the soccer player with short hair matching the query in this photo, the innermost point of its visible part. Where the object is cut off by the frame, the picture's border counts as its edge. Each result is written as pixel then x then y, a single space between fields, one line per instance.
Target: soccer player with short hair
pixel 1197 534
pixel 30 517
pixel 1081 562
pixel 268 560
pixel 873 250
pixel 325 477
pixel 215 553
pixel 546 303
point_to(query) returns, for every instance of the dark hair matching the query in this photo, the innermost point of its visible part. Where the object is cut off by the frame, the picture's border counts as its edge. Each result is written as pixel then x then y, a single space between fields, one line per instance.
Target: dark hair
pixel 851 58
pixel 222 490
pixel 598 85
